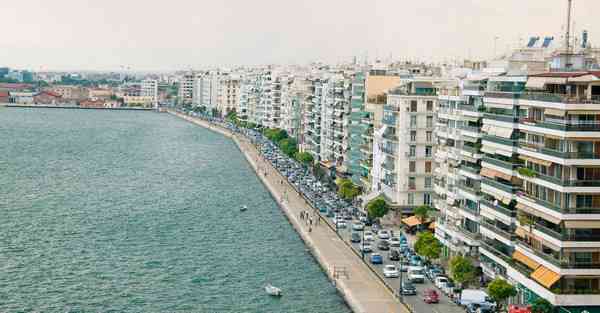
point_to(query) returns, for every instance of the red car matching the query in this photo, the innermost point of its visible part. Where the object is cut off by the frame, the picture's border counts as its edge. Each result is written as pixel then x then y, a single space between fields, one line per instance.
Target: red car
pixel 431 296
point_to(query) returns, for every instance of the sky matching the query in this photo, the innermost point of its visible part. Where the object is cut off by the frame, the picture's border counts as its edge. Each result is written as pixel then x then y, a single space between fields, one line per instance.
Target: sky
pixel 182 34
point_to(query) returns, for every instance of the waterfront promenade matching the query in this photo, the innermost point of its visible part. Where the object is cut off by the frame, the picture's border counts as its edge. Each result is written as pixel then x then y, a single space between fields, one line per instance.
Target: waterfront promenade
pixel 362 290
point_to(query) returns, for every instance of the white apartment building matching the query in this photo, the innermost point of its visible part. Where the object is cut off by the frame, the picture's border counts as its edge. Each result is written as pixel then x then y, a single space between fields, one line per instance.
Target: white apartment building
pixel 186 87
pixel 149 88
pixel 404 146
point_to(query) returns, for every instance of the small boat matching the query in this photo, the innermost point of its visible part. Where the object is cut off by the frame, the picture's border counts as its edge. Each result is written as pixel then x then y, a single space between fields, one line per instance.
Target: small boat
pixel 272 290
pixel 244 208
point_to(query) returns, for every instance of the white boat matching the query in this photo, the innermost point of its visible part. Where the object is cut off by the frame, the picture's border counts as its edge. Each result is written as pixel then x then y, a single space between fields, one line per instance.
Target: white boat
pixel 272 290
pixel 244 208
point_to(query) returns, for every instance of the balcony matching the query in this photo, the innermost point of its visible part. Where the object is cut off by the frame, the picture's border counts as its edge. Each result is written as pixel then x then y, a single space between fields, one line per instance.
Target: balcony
pixel 501 117
pixel 473 129
pixel 388 150
pixel 502 141
pixel 497 250
pixel 390 137
pixel 471 149
pixel 563 125
pixel 490 225
pixel 557 98
pixel 499 185
pixel 475 190
pixel 471 168
pixel 389 120
pixel 391 108
pixel 566 182
pixel 499 208
pixel 536 147
pixel 500 163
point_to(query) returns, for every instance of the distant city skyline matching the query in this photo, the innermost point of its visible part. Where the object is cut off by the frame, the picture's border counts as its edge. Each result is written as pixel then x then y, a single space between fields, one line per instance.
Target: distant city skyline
pixel 176 35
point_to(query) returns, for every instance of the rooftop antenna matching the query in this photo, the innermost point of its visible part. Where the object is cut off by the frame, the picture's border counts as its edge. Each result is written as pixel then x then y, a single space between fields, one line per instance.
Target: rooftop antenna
pixel 568 35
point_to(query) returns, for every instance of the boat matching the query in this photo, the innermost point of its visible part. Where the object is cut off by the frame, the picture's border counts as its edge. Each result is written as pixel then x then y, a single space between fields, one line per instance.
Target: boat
pixel 244 208
pixel 272 290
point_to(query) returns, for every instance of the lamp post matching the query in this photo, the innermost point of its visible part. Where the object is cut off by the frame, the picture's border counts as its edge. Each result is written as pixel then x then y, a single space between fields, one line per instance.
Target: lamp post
pixel 401 275
pixel 362 246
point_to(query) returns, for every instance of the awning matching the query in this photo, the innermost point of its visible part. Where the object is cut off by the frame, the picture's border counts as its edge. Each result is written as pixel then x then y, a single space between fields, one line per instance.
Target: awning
pixel 470 118
pixel 554 112
pixel 486 128
pixel 545 277
pixel 536 83
pixel 538 213
pixel 506 200
pixel 525 260
pixel 411 221
pixel 582 224
pixel 490 173
pixel 504 153
pixel 535 160
pixel 488 150
pixel 503 132
pixel 522 233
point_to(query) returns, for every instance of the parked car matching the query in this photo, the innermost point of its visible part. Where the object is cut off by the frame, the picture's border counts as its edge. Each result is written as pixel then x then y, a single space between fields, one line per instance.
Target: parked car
pixel 368 236
pixel 449 288
pixel 390 271
pixel 394 255
pixel 476 308
pixel 366 248
pixel 394 242
pixel 431 296
pixel 408 289
pixel 355 237
pixel 375 227
pixel 358 226
pixel 383 245
pixel 480 297
pixel 376 258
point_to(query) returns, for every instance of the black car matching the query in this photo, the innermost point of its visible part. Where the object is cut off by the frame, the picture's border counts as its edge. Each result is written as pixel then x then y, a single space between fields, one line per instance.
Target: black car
pixel 408 289
pixel 394 255
pixel 383 245
pixel 355 237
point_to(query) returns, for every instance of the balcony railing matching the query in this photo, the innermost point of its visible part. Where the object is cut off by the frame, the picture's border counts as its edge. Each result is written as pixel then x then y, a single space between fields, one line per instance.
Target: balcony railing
pixel 499 208
pixel 536 147
pixel 507 234
pixel 476 190
pixel 568 182
pixel 548 257
pixel 388 166
pixel 473 129
pixel 504 164
pixel 391 108
pixel 470 168
pixel 391 137
pixel 389 120
pixel 499 185
pixel 500 140
pixel 388 150
pixel 497 251
pixel 471 149
pixel 556 98
pixel 501 94
pixel 564 126
pixel 501 117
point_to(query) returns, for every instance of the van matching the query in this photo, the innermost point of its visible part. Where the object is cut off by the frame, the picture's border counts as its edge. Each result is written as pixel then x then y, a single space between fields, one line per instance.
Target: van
pixel 416 274
pixel 475 296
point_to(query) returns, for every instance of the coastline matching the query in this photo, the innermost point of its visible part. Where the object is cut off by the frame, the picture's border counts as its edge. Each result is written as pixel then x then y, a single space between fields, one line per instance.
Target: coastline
pixel 362 290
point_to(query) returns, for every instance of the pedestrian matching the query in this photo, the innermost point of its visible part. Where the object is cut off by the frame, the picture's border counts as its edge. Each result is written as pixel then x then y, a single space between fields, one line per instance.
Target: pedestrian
pixel 310 229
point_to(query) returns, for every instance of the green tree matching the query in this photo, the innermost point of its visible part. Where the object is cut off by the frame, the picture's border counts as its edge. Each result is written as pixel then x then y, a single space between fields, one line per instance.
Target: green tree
pixel 422 212
pixel 347 189
pixel 289 146
pixel 377 208
pixel 462 270
pixel 428 246
pixel 500 290
pixel 541 305
pixel 232 117
pixel 304 158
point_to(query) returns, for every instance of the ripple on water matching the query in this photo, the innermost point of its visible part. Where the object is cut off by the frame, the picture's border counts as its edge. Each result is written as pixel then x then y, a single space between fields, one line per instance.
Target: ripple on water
pixel 139 212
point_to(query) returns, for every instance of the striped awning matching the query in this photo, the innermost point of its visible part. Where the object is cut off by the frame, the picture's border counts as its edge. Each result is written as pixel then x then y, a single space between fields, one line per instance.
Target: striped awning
pixel 538 213
pixel 525 260
pixel 582 224
pixel 545 276
pixel 554 112
pixel 490 173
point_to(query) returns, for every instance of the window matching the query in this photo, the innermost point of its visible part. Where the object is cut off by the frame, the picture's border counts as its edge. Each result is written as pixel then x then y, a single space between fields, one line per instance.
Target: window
pixel 427 199
pixel 413 105
pixel 413 121
pixel 430 106
pixel 430 121
pixel 429 136
pixel 412 183
pixel 412 166
pixel 428 150
pixel 428 167
pixel 413 135
pixel 427 182
pixel 413 151
pixel 411 199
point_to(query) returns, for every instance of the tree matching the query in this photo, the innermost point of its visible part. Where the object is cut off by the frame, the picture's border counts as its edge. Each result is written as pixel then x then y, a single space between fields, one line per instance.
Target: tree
pixel 232 117
pixel 500 290
pixel 462 270
pixel 304 158
pixel 428 246
pixel 377 208
pixel 422 212
pixel 347 189
pixel 289 146
pixel 541 305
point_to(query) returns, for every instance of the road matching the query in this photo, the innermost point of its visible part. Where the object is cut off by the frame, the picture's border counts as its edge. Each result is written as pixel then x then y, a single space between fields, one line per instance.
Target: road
pixel 415 302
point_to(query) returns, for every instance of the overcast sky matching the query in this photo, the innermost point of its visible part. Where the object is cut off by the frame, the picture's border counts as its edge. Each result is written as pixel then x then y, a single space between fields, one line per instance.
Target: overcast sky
pixel 179 34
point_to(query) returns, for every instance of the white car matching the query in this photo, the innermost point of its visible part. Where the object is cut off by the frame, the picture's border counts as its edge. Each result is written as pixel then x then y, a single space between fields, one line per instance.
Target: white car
pixel 366 248
pixel 383 234
pixel 358 226
pixel 395 242
pixel 368 236
pixel 441 282
pixel 390 271
pixel 416 274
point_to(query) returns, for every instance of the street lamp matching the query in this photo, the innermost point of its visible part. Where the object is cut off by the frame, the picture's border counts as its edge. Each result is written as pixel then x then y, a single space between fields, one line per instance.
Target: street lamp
pixel 400 291
pixel 362 247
